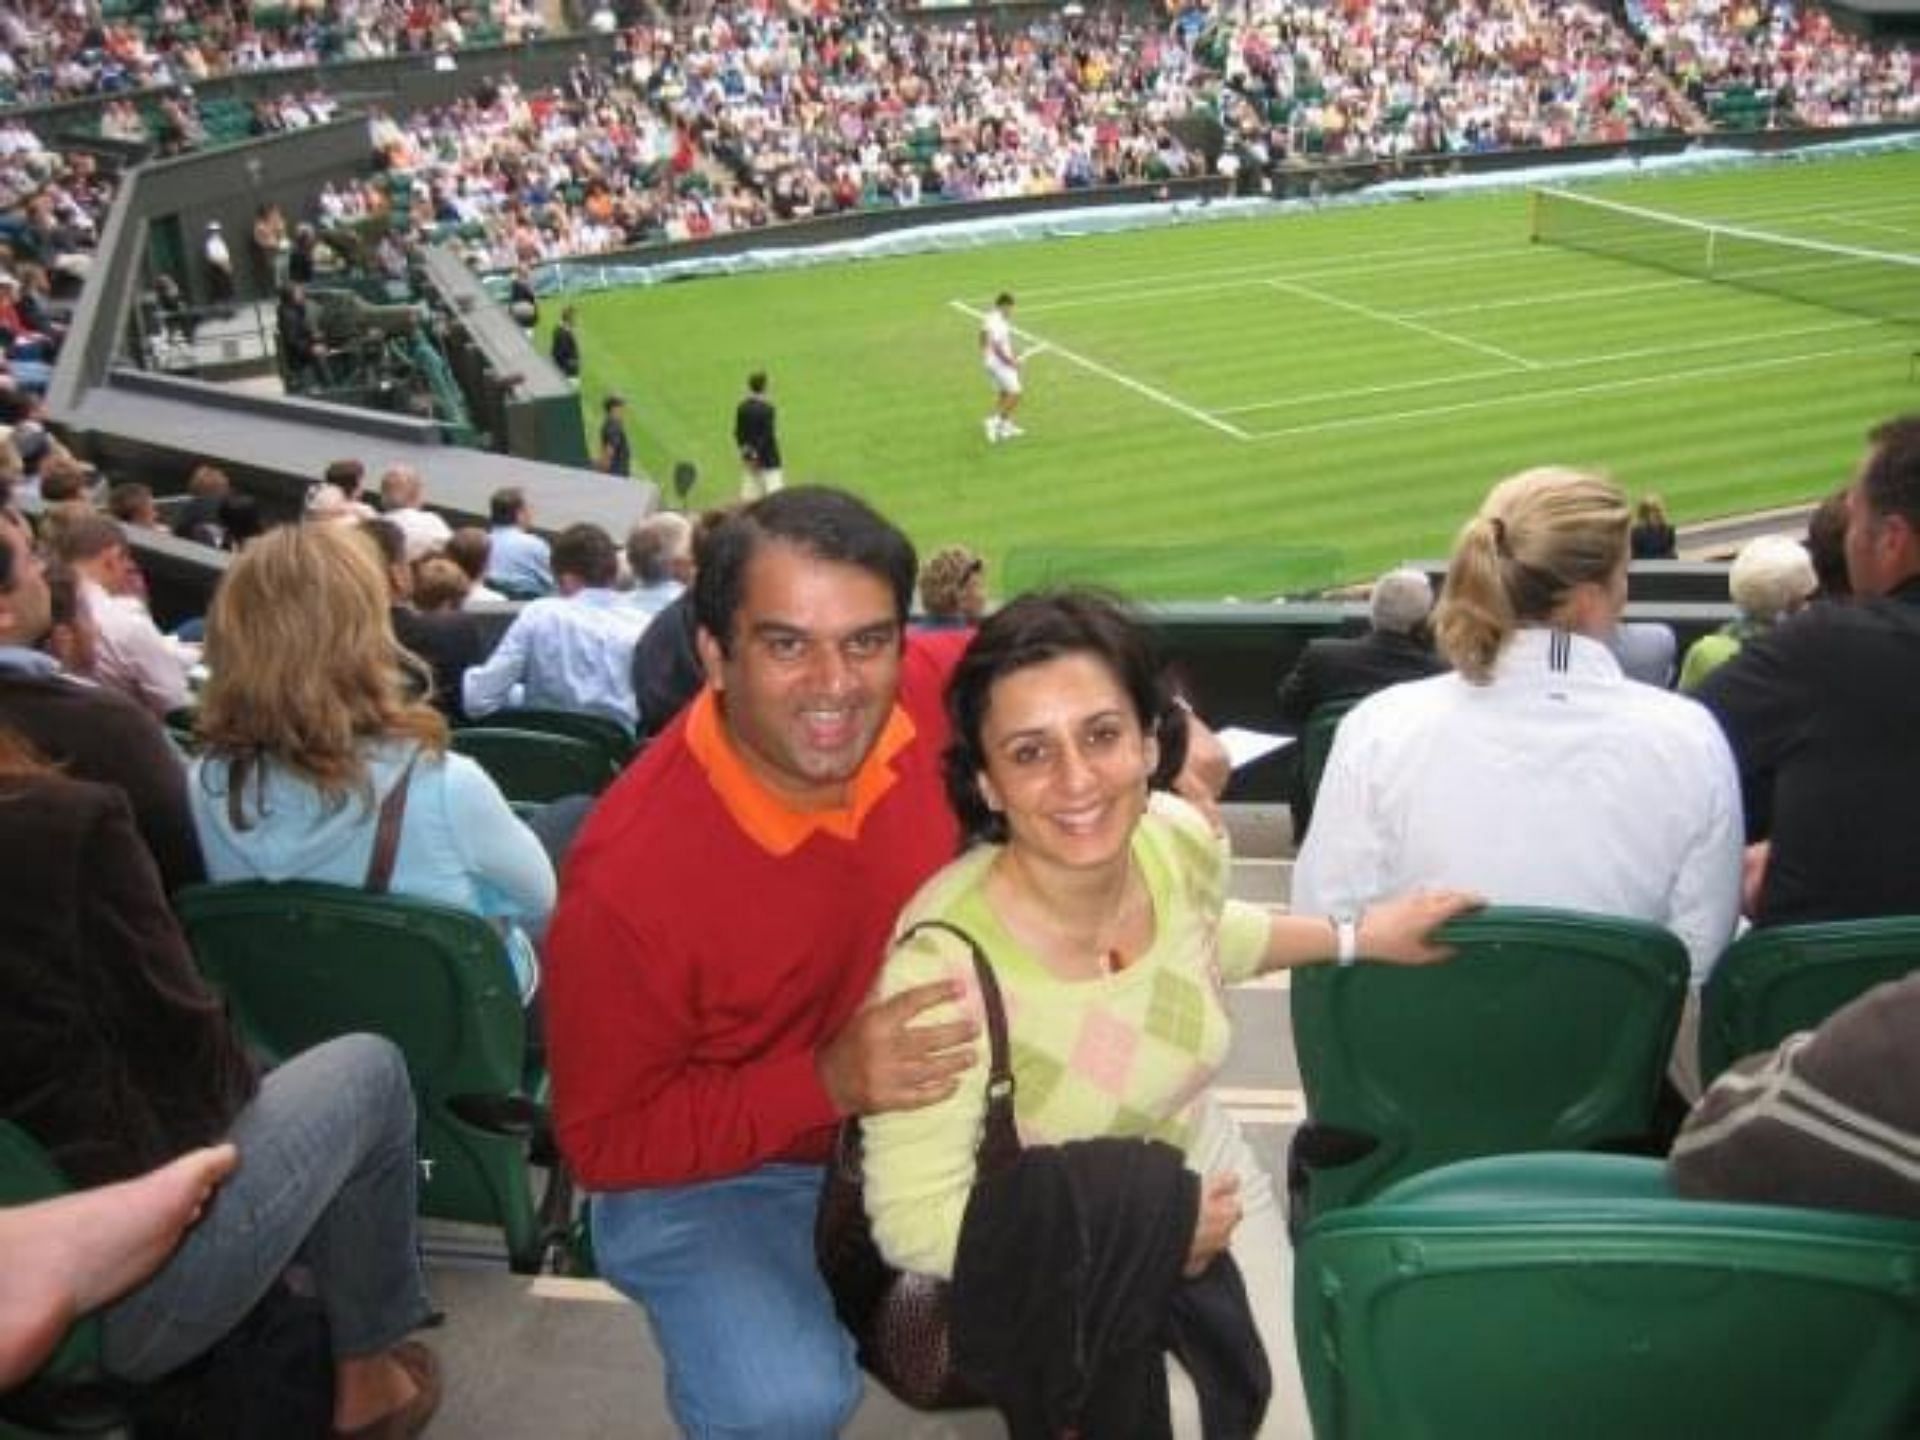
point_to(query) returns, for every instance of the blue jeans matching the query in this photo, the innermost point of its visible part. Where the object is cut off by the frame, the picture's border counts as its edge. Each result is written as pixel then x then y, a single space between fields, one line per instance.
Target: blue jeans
pixel 726 1274
pixel 327 1175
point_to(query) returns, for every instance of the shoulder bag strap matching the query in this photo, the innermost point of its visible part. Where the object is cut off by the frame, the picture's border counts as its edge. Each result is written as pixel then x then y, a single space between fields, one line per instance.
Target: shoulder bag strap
pixel 386 838
pixel 1000 1140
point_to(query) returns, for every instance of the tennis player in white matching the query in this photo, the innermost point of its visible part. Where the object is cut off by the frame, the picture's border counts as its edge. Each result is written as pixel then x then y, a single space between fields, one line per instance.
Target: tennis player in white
pixel 1003 368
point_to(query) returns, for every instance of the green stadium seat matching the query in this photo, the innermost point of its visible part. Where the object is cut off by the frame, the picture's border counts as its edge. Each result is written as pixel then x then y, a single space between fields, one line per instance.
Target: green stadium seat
pixel 1548 1030
pixel 1775 981
pixel 532 767
pixel 615 739
pixel 303 963
pixel 1316 744
pixel 1574 1296
pixel 64 1396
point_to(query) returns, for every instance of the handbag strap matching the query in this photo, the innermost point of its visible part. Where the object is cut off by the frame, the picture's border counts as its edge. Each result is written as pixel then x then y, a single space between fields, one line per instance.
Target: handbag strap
pixel 1000 1139
pixel 386 836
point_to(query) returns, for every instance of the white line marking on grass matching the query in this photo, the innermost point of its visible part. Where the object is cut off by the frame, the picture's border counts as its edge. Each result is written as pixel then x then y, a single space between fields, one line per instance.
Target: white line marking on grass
pixel 1905 232
pixel 1547 367
pixel 1159 397
pixel 1385 318
pixel 1358 392
pixel 1409 256
pixel 1497 402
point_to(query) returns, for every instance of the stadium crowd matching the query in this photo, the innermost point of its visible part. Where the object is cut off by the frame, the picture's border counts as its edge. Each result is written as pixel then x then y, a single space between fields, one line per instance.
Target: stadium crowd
pixel 1792 57
pixel 749 114
pixel 52 51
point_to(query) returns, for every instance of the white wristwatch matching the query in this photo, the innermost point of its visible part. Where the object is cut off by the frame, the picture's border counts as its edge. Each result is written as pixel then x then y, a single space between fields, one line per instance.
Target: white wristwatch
pixel 1346 939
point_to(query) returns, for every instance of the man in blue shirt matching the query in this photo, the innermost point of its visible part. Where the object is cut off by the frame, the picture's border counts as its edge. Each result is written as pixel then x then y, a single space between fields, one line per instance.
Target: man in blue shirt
pixel 573 651
pixel 518 562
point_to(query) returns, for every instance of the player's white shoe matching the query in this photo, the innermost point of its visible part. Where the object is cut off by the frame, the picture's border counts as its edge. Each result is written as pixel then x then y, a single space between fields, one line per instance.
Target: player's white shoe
pixel 1008 430
pixel 994 432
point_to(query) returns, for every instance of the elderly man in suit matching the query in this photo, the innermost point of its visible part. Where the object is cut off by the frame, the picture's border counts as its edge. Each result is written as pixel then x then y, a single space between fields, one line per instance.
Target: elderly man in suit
pixel 1395 648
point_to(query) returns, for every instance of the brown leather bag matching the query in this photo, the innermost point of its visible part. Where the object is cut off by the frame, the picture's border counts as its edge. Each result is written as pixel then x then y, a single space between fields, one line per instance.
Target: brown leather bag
pixel 899 1319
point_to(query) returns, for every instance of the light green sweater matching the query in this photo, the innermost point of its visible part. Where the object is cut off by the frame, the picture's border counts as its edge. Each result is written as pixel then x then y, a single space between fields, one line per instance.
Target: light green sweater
pixel 1127 1055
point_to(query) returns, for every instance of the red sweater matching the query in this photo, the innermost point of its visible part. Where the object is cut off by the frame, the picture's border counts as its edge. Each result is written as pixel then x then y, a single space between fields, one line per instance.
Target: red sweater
pixel 690 973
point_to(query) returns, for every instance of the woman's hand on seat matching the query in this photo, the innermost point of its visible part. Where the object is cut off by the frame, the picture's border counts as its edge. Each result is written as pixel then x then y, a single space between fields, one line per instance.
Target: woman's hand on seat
pixel 1400 931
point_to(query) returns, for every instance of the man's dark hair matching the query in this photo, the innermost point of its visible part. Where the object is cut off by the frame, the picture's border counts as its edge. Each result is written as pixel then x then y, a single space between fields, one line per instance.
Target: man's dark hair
pixel 469 547
pixel 1032 630
pixel 825 524
pixel 346 476
pixel 389 541
pixel 586 552
pixel 504 506
pixel 127 500
pixel 1005 297
pixel 88 536
pixel 1890 480
pixel 757 382
pixel 613 402
pixel 64 479
pixel 1827 545
pixel 63 596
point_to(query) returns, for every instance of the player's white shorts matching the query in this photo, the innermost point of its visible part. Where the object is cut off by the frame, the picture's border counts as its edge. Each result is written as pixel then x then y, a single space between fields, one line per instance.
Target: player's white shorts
pixel 1006 378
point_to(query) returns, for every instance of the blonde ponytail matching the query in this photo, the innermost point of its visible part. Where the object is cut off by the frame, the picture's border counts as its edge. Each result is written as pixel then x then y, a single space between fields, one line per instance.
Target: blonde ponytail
pixel 1536 536
pixel 1474 616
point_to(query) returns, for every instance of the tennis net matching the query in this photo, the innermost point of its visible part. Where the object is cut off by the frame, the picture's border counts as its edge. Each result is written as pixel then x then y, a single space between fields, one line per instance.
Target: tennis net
pixel 1870 283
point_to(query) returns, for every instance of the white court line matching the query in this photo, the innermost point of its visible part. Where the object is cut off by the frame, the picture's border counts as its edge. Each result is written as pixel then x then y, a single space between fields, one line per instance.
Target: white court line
pixel 1400 258
pixel 1520 302
pixel 1385 318
pixel 1601 388
pixel 1361 392
pixel 1852 222
pixel 1241 279
pixel 1546 367
pixel 1159 397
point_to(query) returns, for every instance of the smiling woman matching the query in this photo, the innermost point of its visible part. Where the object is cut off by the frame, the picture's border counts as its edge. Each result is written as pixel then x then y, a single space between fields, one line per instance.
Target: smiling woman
pixel 1102 909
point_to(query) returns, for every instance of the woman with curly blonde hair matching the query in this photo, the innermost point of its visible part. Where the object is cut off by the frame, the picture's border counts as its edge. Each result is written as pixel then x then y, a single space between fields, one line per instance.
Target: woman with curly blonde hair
pixel 1536 773
pixel 310 721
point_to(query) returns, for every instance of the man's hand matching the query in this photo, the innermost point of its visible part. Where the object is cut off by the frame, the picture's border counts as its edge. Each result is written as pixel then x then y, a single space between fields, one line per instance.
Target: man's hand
pixel 881 1060
pixel 1213 1226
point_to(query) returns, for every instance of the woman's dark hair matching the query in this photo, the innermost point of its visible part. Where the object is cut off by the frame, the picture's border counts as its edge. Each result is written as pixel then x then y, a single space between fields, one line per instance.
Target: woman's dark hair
pixel 1036 628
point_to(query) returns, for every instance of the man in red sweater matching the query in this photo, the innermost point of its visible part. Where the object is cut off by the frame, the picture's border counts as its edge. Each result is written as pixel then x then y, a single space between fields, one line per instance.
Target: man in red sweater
pixel 722 918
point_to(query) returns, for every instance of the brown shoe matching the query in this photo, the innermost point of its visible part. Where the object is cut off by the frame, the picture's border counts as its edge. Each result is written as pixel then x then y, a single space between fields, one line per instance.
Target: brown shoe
pixel 413 1417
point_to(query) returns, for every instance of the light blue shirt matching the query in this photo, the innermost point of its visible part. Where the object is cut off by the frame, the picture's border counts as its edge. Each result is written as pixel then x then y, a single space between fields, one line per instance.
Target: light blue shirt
pixel 652 599
pixel 460 843
pixel 520 558
pixel 572 653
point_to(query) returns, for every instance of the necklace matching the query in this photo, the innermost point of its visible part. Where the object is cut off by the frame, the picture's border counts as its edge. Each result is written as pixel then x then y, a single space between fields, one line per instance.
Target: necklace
pixel 1096 950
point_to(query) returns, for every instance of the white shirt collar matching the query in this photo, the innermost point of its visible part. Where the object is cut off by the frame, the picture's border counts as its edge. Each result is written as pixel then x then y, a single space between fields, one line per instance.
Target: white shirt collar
pixel 1546 652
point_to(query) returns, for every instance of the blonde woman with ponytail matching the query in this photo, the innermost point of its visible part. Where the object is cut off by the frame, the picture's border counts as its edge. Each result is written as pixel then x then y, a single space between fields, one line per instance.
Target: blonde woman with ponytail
pixel 1536 773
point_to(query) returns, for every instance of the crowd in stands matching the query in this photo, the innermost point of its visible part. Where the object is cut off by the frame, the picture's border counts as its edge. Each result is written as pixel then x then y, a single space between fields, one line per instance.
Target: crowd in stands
pixel 750 115
pixel 52 205
pixel 51 51
pixel 1779 62
pixel 1401 79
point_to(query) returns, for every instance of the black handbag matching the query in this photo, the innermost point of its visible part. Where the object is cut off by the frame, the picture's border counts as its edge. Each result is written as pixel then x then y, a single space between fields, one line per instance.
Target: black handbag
pixel 898 1319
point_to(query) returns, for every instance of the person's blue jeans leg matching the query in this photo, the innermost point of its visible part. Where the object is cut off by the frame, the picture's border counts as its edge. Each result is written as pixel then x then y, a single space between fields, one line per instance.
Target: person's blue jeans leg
pixel 328 1172
pixel 726 1274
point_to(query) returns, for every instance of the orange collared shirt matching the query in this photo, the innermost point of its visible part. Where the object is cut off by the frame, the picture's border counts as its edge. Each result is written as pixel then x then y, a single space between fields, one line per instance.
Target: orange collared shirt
pixel 768 820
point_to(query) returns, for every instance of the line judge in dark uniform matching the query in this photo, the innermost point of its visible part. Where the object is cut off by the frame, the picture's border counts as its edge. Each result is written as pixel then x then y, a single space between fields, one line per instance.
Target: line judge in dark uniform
pixel 616 455
pixel 753 436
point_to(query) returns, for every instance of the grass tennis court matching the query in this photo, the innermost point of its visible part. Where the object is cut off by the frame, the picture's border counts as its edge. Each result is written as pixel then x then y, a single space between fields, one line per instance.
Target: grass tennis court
pixel 1265 405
